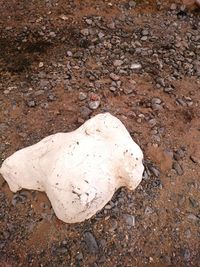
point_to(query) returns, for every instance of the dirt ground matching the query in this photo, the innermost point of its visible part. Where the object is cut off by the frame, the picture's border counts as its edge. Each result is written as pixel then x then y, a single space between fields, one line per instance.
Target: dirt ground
pixel 62 62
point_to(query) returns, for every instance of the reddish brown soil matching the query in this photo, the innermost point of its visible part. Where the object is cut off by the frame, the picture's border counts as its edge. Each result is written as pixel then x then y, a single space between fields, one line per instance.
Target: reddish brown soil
pixel 166 208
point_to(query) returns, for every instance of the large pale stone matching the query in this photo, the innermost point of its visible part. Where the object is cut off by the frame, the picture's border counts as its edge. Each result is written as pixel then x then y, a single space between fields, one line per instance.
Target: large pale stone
pixel 80 170
pixel 197 2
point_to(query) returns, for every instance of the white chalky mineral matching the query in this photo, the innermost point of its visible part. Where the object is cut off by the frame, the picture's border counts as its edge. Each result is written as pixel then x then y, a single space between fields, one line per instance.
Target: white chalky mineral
pixel 80 170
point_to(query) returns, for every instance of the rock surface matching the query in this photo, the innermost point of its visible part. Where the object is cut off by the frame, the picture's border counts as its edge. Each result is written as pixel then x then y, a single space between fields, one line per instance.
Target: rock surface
pixel 81 170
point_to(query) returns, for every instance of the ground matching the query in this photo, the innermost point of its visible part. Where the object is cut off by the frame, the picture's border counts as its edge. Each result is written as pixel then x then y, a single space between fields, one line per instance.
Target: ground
pixel 62 62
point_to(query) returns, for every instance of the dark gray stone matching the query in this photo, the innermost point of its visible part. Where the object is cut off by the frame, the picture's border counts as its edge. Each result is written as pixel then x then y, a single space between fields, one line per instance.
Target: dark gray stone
pixel 91 242
pixel 177 167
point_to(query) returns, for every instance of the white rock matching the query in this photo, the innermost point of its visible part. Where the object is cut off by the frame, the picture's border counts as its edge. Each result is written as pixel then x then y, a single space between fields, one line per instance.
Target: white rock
pixel 63 17
pixel 94 104
pixel 197 2
pixel 80 170
pixel 41 64
pixel 136 66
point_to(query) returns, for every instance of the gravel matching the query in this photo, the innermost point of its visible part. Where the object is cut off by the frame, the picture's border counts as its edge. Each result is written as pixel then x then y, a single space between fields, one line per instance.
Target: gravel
pixel 64 63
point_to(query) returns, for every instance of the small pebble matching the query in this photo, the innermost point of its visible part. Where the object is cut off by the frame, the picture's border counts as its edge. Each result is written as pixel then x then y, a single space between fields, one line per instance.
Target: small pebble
pixel 188 233
pixel 89 21
pixel 101 35
pixel 114 77
pixel 113 89
pixel 52 97
pixel 173 7
pixel 39 92
pixel 179 154
pixel 6 92
pixel 144 38
pixel 156 100
pixel 145 32
pixel 82 96
pixel 177 167
pixel 91 242
pixel 193 202
pixel 63 17
pixel 129 219
pixel 136 66
pixel 192 217
pixel 31 103
pixel 85 112
pixel 79 256
pixel 154 171
pixel 69 54
pixel 85 32
pixel 132 4
pixel 94 104
pixel 52 34
pixel 117 63
pixel 41 64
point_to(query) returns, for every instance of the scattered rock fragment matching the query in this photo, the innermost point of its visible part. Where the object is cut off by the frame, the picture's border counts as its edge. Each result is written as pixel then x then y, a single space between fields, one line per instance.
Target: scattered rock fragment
pixel 136 66
pixel 63 17
pixel 173 7
pixel 177 167
pixel 94 104
pixel 19 198
pixel 114 77
pixel 194 203
pixel 89 21
pixel 192 217
pixel 41 64
pixel 82 96
pixel 132 4
pixel 91 242
pixel 85 112
pixel 31 103
pixel 69 53
pixel 85 32
pixel 117 63
pixel 154 171
pixel 129 219
pixel 179 154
